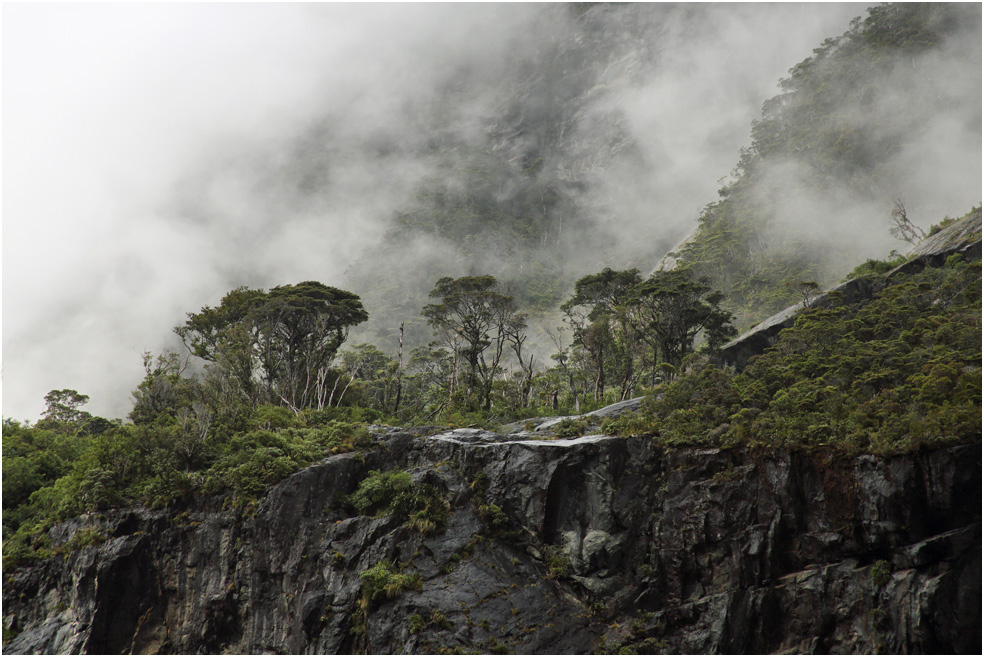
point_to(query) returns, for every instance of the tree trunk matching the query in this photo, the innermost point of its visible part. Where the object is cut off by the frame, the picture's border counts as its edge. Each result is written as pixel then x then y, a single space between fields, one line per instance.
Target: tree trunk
pixel 399 376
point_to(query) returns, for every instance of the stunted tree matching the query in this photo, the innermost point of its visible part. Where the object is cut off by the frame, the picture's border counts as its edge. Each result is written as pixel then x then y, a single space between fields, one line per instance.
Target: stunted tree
pixel 277 345
pixel 475 318
pixel 596 314
pixel 670 309
pixel 902 227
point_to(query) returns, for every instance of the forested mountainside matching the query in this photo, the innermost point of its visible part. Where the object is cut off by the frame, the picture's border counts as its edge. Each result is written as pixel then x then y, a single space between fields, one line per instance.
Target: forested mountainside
pixel 509 196
pixel 532 195
pixel 662 484
pixel 832 142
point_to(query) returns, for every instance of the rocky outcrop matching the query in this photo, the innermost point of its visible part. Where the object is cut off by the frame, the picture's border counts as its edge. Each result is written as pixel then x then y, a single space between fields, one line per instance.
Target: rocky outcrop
pixel 591 420
pixel 962 237
pixel 552 546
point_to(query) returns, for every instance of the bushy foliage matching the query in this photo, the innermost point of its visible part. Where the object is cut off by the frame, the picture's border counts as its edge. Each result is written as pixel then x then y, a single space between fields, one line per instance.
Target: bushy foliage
pixel 627 330
pixel 873 267
pixel 395 493
pixel 570 427
pixel 890 375
pixel 53 477
pixel 384 582
pixel 276 346
pixel 695 409
pixel 377 492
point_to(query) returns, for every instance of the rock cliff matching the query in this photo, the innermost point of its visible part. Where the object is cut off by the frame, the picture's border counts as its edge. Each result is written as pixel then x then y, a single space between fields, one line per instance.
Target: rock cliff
pixel 580 545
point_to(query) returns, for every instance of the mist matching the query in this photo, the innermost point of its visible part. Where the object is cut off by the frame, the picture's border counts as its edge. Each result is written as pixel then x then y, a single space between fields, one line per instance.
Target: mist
pixel 157 156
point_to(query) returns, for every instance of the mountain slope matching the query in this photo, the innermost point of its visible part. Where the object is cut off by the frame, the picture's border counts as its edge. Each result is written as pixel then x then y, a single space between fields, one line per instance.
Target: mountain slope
pixel 835 150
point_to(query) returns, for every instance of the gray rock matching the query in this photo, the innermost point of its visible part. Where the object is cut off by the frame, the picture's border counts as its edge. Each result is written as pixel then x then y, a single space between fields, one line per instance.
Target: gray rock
pixel 547 425
pixel 600 539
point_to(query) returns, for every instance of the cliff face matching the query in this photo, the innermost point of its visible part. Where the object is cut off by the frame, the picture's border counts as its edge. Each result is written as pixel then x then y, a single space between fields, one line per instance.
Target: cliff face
pixel 563 546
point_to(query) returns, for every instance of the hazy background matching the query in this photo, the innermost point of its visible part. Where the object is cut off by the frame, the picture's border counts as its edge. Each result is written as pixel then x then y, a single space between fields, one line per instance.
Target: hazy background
pixel 157 156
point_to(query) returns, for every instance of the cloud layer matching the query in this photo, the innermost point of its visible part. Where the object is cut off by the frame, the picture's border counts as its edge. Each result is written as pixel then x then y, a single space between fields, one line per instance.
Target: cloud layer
pixel 157 156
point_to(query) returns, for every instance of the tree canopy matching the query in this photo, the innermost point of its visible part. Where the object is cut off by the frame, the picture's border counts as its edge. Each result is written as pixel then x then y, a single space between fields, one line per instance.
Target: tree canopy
pixel 277 345
pixel 476 318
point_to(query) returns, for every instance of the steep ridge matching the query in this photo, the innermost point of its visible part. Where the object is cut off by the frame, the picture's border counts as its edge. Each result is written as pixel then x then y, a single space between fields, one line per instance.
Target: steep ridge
pixel 963 237
pixel 567 546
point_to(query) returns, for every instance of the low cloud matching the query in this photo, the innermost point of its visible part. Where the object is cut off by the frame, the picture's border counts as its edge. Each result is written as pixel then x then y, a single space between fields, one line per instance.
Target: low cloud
pixel 157 156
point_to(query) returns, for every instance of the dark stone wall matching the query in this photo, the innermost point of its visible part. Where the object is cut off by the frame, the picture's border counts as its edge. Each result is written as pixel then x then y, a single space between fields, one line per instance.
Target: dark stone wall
pixel 683 551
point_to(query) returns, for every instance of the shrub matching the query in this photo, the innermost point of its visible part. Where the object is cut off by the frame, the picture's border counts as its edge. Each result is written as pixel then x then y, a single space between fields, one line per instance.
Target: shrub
pixel 395 493
pixel 873 267
pixel 888 375
pixel 881 572
pixel 627 425
pixel 571 427
pixel 268 416
pixel 83 538
pixel 694 409
pixel 378 491
pixel 382 582
pixel 557 562
pixel 416 623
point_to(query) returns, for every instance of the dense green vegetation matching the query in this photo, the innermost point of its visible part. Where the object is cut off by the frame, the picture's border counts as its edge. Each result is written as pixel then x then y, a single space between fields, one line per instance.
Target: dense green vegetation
pixel 270 387
pixel 824 136
pixel 395 494
pixel 274 394
pixel 889 375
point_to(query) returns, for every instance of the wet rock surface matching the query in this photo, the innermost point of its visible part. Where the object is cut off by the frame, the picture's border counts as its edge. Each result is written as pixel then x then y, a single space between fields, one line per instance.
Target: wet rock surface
pixel 552 546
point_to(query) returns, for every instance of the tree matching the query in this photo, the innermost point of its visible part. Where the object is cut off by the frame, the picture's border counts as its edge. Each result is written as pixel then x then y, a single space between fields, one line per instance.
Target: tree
pixel 669 310
pixel 307 324
pixel 63 414
pixel 902 227
pixel 277 346
pixel 63 406
pixel 514 329
pixel 476 318
pixel 164 391
pixel 596 314
pixel 203 331
pixel 373 369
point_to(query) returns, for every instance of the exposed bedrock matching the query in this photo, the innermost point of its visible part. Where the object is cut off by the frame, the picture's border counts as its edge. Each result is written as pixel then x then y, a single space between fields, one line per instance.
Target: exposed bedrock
pixel 600 543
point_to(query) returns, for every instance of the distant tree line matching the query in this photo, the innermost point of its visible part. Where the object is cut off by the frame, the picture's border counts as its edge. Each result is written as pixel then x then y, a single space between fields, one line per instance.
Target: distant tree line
pixel 282 347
